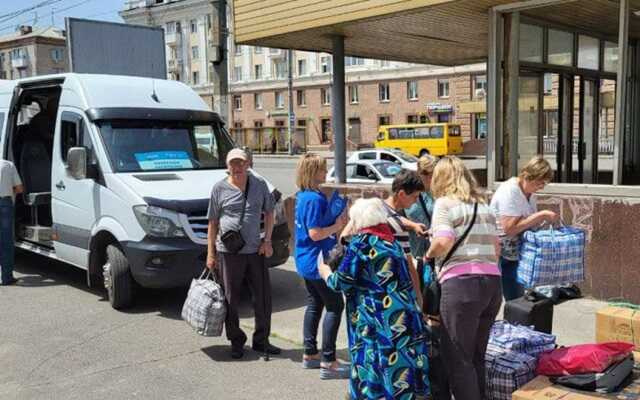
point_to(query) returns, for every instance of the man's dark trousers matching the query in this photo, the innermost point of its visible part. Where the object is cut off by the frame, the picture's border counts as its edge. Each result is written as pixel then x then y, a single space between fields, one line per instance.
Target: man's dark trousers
pixel 234 269
pixel 6 239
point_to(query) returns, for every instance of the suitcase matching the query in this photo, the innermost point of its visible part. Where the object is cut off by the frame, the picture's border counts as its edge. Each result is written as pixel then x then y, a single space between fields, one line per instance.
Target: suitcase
pixel 608 381
pixel 530 310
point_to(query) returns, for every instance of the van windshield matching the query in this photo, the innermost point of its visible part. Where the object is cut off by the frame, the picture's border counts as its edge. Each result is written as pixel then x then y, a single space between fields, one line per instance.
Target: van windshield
pixel 139 146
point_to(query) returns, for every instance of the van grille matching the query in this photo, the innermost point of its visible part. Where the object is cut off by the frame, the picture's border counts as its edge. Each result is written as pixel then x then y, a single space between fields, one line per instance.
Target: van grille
pixel 199 226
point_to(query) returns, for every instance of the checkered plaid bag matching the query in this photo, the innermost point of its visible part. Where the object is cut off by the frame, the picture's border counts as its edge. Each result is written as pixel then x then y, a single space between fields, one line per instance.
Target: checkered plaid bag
pixel 552 256
pixel 520 339
pixel 506 372
pixel 205 309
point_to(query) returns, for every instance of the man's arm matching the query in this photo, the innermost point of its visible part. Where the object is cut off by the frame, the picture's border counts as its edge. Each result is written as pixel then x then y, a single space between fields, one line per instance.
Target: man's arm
pixel 266 248
pixel 415 279
pixel 211 243
pixel 18 189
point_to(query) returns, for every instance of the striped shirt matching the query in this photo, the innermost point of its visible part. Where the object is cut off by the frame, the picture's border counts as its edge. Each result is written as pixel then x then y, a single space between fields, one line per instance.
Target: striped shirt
pixel 399 233
pixel 477 254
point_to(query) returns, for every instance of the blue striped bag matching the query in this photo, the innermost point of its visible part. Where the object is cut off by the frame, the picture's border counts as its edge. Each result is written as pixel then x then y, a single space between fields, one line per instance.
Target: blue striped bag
pixel 553 256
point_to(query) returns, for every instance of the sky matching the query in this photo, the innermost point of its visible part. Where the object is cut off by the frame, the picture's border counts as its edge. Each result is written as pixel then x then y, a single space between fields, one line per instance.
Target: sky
pixel 106 10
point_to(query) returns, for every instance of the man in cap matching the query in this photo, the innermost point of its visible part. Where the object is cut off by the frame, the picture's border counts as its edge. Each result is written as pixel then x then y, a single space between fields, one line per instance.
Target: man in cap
pixel 236 206
pixel 10 185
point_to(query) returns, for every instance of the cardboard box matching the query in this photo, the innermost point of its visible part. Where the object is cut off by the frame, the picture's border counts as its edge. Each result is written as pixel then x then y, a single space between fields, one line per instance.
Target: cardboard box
pixel 618 324
pixel 542 389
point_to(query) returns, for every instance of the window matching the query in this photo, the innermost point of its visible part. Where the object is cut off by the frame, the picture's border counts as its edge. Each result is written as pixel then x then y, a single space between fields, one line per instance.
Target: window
pixel 279 97
pixel 194 26
pixel 422 133
pixel 257 101
pixel 280 69
pixel 257 71
pixel 480 126
pixel 437 132
pixel 257 50
pixel 74 133
pixel 560 50
pixel 1 59
pixel 302 67
pixel 530 43
pixel 17 54
pixel 172 27
pixel 349 61
pixel 353 94
pixel 208 21
pixel 237 102
pixel 301 98
pixel 325 64
pixel 383 92
pixel 238 49
pixel 194 52
pixel 3 74
pixel 412 90
pixel 401 133
pixel 479 87
pixel 412 119
pixel 367 155
pixel 588 52
pixel 325 96
pixel 384 120
pixel 274 51
pixel 237 73
pixel 443 88
pixel 548 84
pixel 57 55
pixel 610 57
pixel 302 123
pixel 195 77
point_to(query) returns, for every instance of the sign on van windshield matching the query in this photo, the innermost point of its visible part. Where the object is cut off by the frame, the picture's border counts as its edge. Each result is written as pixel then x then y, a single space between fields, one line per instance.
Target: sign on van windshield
pixel 160 160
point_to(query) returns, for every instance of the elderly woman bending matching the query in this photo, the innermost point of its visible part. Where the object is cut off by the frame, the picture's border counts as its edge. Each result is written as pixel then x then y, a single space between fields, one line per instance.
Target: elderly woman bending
pixel 386 332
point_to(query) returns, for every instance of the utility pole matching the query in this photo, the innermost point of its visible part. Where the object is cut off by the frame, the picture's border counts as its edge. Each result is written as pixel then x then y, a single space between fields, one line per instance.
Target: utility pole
pixel 292 116
pixel 220 75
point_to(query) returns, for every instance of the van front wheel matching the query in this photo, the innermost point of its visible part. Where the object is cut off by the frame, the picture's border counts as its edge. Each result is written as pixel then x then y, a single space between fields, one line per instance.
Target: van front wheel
pixel 117 278
pixel 424 152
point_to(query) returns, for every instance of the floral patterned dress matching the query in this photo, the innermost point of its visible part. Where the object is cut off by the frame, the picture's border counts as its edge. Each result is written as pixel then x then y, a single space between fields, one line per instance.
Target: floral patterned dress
pixel 387 338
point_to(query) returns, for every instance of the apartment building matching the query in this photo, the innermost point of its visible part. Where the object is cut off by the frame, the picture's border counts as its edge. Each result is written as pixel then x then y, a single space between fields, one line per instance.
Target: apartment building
pixel 188 39
pixel 33 51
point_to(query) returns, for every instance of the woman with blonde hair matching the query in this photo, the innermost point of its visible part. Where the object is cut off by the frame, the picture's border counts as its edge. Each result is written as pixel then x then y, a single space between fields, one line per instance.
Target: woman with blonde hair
pixel 387 339
pixel 515 208
pixel 465 244
pixel 316 229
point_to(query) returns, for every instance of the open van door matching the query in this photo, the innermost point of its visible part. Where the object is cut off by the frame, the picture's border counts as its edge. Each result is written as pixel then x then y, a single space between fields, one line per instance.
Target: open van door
pixel 73 197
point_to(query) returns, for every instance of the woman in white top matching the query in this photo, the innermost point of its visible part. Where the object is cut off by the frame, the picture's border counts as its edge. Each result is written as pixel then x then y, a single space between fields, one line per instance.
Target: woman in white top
pixel 516 211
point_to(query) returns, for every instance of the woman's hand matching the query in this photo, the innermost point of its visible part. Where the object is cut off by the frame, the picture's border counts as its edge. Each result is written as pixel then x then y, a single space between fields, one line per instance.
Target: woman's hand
pixel 549 216
pixel 324 270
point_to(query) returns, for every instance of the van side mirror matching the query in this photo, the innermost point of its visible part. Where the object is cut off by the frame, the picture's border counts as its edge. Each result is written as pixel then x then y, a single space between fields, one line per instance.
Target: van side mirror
pixel 77 162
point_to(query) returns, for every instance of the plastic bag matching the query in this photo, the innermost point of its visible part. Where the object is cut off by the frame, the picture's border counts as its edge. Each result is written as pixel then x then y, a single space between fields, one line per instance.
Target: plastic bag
pixel 582 359
pixel 205 308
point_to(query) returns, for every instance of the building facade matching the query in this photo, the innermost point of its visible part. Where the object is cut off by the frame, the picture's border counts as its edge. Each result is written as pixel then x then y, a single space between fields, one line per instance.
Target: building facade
pixel 190 45
pixel 31 51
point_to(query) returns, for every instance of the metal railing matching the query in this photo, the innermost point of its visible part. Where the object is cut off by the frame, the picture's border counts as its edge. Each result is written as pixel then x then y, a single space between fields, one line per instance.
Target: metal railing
pixel 550 145
pixel 270 139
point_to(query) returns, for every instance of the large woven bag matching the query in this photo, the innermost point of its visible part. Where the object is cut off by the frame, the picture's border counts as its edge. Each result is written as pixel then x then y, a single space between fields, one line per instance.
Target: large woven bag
pixel 205 309
pixel 553 256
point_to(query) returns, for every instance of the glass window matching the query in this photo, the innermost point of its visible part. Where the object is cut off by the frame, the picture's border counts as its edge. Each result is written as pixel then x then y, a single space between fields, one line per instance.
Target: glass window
pixel 560 50
pixel 325 64
pixel 412 119
pixel 383 92
pixel 195 78
pixel 437 132
pixel 194 26
pixel 443 88
pixel 353 94
pixel 325 96
pixel 257 69
pixel 528 119
pixel 68 137
pixel 279 100
pixel 237 102
pixel 258 50
pixel 588 52
pixel 237 73
pixel 422 133
pixel 301 98
pixel 412 90
pixel 401 133
pixel 454 130
pixel 479 86
pixel 238 49
pixel 530 43
pixel 135 146
pixel 302 67
pixel 388 169
pixel 257 101
pixel 367 155
pixel 281 69
pixel 384 120
pixel 610 57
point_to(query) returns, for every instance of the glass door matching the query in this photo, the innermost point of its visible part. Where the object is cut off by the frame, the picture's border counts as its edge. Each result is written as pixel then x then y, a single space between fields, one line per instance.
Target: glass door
pixel 588 135
pixel 565 128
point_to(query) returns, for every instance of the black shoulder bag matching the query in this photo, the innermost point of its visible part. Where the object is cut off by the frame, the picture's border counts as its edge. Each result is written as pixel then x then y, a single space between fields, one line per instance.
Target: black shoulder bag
pixel 431 293
pixel 232 239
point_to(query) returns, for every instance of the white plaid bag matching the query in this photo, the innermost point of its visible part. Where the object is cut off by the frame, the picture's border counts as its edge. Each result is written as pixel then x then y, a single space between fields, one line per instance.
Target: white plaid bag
pixel 553 256
pixel 520 339
pixel 507 372
pixel 205 309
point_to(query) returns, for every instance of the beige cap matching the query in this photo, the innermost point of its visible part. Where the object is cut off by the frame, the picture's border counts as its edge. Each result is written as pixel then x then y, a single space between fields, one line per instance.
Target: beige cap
pixel 237 153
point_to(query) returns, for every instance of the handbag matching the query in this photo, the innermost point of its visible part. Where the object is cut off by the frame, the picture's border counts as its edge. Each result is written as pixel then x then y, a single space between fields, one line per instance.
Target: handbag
pixel 232 239
pixel 431 293
pixel 205 308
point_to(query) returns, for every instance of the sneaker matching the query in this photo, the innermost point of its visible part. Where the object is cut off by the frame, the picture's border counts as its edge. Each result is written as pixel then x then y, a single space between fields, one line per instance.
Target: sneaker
pixel 311 363
pixel 269 349
pixel 341 372
pixel 11 281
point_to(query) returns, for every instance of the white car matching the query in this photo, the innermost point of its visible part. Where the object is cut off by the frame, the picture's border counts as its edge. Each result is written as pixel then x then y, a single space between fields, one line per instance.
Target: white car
pixel 368 172
pixel 405 160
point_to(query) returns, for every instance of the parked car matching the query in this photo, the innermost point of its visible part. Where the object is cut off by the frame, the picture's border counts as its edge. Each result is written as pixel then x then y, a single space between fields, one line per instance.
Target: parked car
pixel 405 160
pixel 368 172
pixel 118 181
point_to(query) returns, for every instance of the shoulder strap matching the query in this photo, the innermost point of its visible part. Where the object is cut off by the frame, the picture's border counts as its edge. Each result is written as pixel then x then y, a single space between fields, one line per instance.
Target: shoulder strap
pixel 461 238
pixel 244 203
pixel 424 207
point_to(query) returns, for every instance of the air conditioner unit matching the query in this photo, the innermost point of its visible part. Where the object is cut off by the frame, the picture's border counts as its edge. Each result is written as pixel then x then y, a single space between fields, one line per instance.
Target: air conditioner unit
pixel 481 93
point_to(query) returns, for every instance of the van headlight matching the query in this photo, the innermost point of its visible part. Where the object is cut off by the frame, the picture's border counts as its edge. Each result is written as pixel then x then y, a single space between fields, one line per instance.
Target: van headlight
pixel 159 222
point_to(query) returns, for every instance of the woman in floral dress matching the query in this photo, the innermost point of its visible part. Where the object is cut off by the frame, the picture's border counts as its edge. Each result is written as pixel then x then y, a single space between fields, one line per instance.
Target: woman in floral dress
pixel 387 339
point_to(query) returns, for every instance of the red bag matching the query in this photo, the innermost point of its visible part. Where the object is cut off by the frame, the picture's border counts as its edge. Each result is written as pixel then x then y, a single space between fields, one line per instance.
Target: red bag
pixel 582 359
